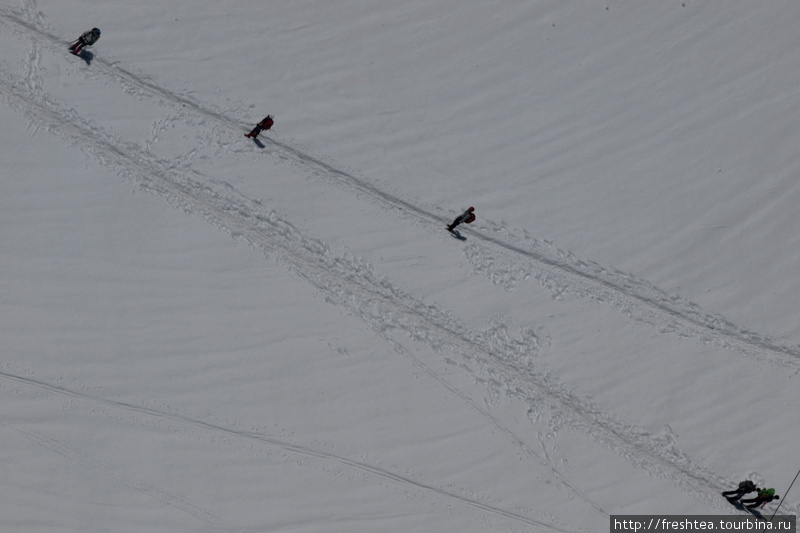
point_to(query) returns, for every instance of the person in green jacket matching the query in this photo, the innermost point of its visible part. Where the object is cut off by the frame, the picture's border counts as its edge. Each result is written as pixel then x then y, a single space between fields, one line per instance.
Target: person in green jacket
pixel 764 496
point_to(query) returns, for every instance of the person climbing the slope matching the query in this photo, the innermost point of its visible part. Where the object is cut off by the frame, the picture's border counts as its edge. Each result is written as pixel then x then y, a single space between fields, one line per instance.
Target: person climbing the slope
pixel 745 487
pixel 87 39
pixel 764 497
pixel 467 217
pixel 263 125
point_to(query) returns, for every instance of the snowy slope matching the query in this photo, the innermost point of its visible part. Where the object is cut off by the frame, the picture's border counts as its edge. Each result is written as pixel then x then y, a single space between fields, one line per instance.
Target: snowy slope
pixel 202 333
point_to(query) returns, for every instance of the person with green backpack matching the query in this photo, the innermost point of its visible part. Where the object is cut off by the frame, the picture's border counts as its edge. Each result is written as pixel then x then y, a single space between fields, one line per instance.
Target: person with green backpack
pixel 764 496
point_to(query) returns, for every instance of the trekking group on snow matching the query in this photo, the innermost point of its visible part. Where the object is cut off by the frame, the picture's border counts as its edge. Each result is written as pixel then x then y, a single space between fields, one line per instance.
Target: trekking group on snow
pixel 763 497
pixel 90 37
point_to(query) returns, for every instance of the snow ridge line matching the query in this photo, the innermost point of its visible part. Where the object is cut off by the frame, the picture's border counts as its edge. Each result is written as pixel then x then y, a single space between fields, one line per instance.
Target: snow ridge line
pixel 83 459
pixel 164 497
pixel 351 284
pixel 564 269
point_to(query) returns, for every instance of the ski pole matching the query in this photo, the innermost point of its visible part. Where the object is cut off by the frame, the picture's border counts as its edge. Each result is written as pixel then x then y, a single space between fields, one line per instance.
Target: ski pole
pixel 784 496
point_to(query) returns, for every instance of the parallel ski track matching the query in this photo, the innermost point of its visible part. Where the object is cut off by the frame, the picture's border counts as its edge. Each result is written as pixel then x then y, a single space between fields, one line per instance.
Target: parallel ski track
pixel 350 283
pixel 599 281
pixel 296 449
pixel 169 499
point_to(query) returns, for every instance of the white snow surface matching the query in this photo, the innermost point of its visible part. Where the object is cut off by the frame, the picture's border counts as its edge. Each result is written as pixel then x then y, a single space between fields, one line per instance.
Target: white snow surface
pixel 201 333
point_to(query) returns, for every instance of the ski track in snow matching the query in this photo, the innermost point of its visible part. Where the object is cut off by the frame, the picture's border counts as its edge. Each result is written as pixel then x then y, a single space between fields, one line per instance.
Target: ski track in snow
pixel 169 499
pixel 351 284
pixel 172 500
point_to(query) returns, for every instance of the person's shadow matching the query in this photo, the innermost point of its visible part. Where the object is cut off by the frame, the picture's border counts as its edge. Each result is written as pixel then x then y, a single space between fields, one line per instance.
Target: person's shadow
pixel 86 55
pixel 455 233
pixel 739 505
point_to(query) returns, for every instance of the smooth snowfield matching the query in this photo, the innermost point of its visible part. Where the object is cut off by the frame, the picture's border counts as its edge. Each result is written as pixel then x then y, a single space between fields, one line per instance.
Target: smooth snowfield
pixel 204 333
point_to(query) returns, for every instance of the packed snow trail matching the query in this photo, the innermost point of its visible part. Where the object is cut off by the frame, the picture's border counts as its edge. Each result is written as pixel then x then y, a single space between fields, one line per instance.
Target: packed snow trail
pixel 561 272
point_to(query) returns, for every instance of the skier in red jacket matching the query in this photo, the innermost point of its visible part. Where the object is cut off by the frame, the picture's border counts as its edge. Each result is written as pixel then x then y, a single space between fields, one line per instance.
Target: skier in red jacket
pixel 263 125
pixel 467 217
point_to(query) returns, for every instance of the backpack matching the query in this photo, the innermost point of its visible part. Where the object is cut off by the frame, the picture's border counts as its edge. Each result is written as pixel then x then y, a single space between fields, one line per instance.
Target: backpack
pixel 767 492
pixel 91 36
pixel 747 485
